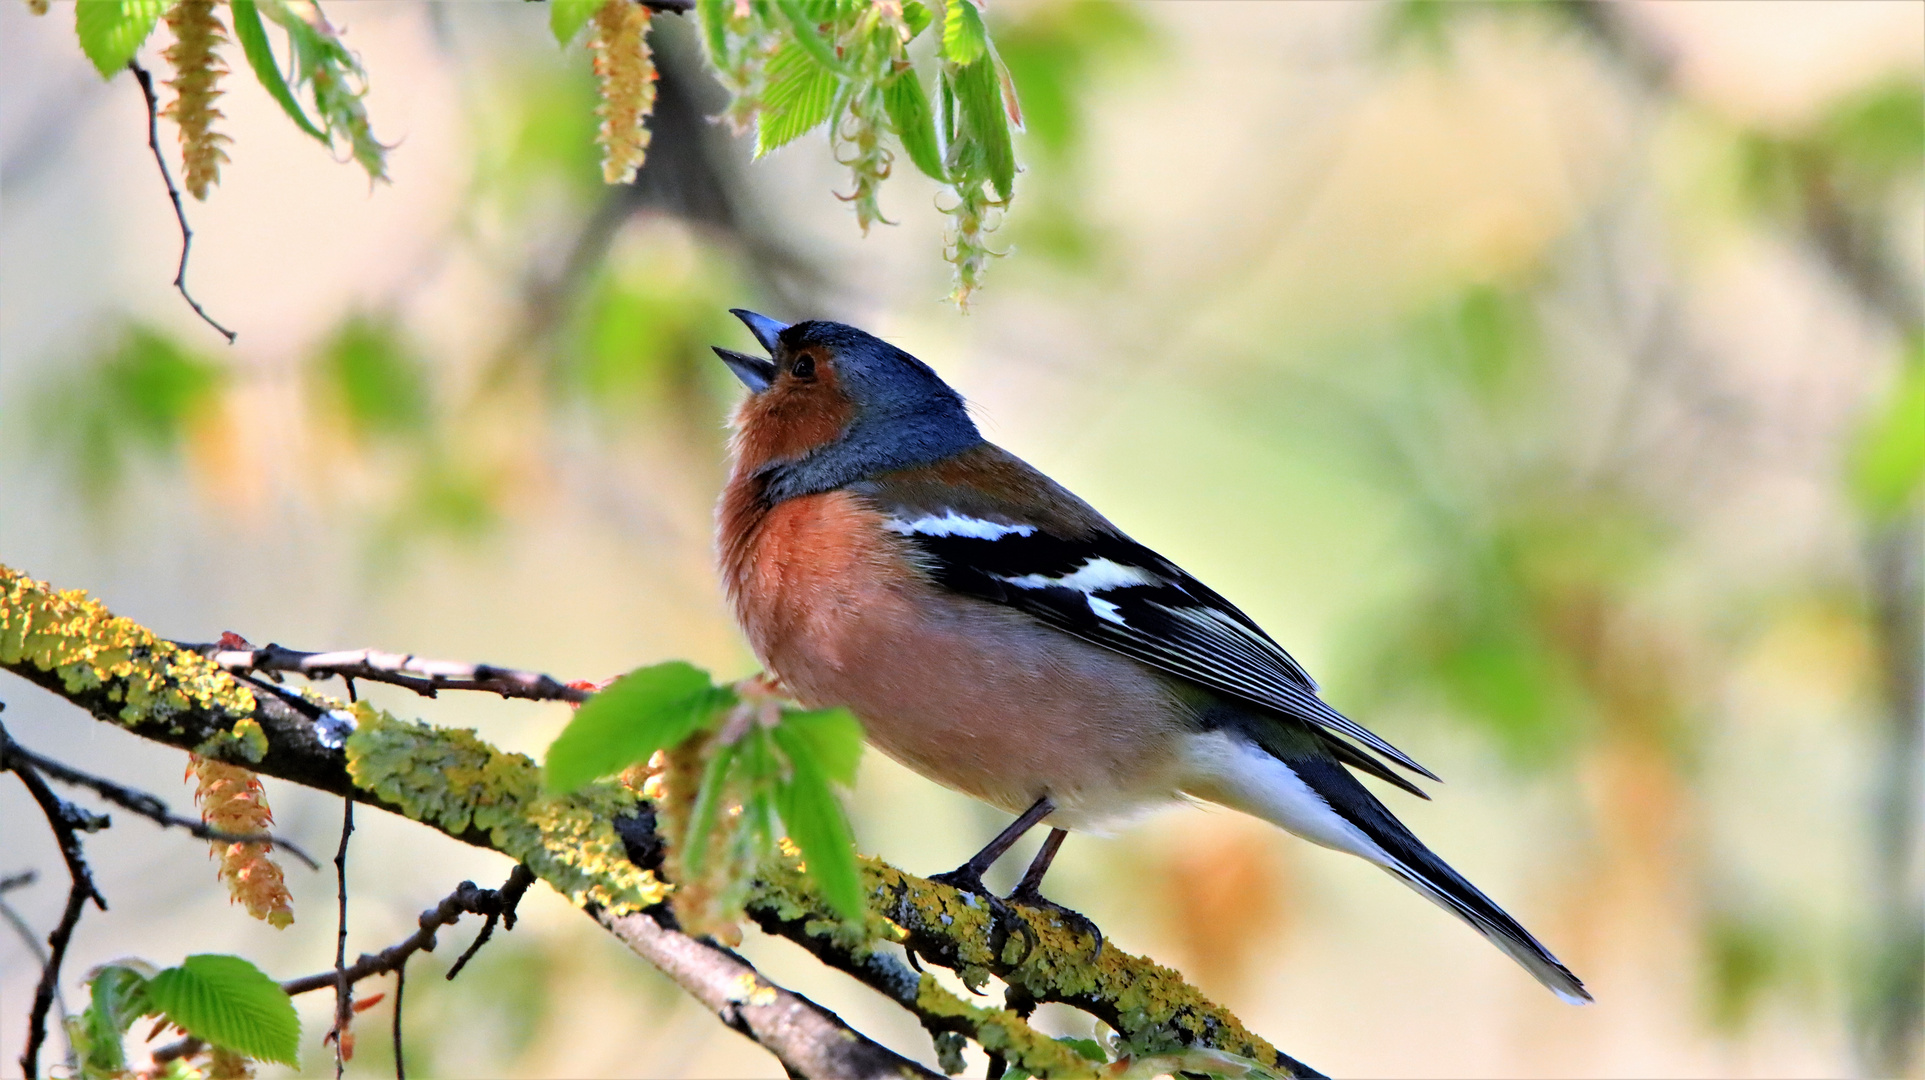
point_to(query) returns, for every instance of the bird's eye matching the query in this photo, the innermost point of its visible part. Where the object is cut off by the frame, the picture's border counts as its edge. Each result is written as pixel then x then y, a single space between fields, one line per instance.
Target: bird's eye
pixel 804 367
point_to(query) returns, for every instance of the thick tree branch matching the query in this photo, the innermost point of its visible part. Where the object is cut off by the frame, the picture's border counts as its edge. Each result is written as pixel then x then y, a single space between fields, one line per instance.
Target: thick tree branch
pixel 809 1039
pixel 599 849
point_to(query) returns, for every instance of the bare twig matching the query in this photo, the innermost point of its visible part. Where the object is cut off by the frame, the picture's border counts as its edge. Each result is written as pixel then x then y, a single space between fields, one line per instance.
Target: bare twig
pixel 343 987
pixel 180 212
pixel 146 805
pixel 467 899
pixel 423 676
pixel 32 940
pixel 400 984
pixel 497 905
pixel 67 822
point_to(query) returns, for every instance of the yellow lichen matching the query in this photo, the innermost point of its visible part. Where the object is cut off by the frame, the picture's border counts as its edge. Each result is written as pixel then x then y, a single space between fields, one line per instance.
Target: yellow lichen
pixel 88 647
pixel 452 779
pixel 1004 1032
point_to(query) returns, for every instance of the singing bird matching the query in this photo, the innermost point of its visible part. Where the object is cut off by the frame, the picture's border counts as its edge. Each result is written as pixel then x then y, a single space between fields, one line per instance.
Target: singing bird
pixel 996 634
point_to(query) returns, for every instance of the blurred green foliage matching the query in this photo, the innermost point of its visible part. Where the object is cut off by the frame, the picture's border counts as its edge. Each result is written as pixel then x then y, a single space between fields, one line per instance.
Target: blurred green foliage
pixel 142 398
pixel 1888 460
pixel 377 383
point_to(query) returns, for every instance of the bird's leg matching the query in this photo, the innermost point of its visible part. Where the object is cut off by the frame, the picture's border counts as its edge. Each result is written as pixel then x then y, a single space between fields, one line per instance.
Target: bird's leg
pixel 1029 891
pixel 969 876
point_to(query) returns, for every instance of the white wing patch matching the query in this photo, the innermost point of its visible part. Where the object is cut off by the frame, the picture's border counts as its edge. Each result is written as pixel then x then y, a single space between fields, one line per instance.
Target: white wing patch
pixel 954 524
pixel 1094 576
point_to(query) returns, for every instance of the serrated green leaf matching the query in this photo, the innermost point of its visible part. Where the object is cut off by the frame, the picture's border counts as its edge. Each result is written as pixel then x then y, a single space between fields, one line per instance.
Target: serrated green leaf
pixel 916 15
pixel 111 31
pixel 567 17
pixel 1888 460
pixel 804 23
pixel 648 709
pixel 908 107
pixel 231 1003
pixel 983 123
pixel 964 38
pixel 834 737
pixel 260 57
pixel 816 823
pixel 798 98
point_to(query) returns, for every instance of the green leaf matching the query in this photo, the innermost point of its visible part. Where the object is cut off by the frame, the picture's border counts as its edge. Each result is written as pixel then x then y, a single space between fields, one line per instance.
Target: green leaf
pixel 154 386
pixel 567 17
pixel 908 106
pixel 1888 460
pixel 983 123
pixel 815 822
pixel 916 15
pixel 117 996
pixel 111 31
pixel 646 710
pixel 964 38
pixel 821 50
pixel 834 738
pixel 713 17
pixel 708 804
pixel 231 1003
pixel 380 388
pixel 797 99
pixel 1087 1049
pixel 260 56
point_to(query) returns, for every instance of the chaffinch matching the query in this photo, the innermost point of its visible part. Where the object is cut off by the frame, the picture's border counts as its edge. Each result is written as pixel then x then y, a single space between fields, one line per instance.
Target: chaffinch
pixel 996 634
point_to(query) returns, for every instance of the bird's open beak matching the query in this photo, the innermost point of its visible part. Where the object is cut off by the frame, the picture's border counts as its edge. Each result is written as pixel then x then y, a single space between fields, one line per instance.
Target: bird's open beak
pixel 755 372
pixel 765 329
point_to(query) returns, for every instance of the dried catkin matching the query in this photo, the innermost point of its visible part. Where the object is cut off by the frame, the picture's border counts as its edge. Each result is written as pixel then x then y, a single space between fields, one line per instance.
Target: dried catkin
pixel 626 71
pixel 233 801
pixel 38 7
pixel 198 33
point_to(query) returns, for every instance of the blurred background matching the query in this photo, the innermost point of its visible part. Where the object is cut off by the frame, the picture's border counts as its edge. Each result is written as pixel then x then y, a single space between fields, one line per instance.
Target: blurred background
pixel 1547 377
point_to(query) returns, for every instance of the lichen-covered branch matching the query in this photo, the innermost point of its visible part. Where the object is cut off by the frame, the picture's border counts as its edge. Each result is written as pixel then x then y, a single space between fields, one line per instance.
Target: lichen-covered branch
pixel 599 848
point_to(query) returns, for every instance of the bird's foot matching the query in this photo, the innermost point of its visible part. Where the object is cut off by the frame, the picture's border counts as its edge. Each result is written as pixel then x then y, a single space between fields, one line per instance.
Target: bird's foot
pixel 968 879
pixel 1077 921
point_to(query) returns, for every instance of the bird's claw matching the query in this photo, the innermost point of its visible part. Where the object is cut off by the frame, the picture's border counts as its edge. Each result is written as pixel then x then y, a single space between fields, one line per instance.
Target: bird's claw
pixel 963 879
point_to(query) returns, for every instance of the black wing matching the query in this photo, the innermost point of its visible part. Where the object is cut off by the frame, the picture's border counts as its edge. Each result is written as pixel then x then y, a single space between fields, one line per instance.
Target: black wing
pixel 1113 591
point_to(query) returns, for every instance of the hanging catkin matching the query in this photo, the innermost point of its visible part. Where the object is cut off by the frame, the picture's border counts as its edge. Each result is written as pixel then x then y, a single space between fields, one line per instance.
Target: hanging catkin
pixel 626 71
pixel 233 801
pixel 197 69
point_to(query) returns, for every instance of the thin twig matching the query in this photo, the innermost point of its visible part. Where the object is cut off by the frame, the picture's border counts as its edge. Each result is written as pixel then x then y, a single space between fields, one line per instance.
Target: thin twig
pixel 467 899
pixel 32 940
pixel 66 821
pixel 400 983
pixel 343 988
pixel 146 805
pixel 503 906
pixel 423 676
pixel 180 212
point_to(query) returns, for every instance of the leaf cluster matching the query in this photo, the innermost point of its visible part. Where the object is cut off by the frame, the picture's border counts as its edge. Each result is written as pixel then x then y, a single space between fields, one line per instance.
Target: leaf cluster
pixel 224 1001
pixel 321 65
pixel 760 772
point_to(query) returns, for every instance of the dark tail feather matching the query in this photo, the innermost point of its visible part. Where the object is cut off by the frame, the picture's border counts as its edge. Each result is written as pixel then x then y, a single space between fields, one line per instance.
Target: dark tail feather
pixel 1415 865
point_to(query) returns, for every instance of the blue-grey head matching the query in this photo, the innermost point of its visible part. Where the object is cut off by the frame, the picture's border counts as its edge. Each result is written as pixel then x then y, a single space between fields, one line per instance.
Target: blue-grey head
pixel 832 405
